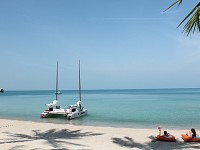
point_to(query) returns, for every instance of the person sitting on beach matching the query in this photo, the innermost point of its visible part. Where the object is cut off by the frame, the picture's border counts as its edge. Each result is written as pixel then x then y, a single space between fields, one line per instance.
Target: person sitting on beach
pixel 192 133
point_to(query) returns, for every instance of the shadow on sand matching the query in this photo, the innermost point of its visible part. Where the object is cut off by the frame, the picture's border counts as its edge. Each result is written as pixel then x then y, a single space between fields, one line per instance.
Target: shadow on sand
pixel 53 137
pixel 154 145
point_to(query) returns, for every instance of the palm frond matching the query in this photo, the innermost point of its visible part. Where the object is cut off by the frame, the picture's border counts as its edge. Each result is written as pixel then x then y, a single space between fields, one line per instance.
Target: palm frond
pixel 177 1
pixel 194 23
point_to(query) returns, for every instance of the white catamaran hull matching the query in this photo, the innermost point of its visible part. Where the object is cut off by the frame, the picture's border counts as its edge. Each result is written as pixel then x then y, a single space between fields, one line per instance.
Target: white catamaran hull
pixel 54 113
pixel 75 112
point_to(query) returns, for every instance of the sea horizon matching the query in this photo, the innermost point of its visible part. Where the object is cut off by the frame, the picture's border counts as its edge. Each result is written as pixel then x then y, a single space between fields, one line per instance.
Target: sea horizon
pixel 163 88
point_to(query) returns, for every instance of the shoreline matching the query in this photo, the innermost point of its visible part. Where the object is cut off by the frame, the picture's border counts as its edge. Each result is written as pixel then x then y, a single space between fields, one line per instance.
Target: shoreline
pixel 17 134
pixel 59 121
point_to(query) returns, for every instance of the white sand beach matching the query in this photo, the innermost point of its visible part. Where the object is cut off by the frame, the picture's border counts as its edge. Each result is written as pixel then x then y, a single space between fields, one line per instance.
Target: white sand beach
pixel 25 135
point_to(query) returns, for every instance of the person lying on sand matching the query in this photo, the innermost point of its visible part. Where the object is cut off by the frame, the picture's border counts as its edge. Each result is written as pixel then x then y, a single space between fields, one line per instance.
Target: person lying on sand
pixel 165 137
pixel 164 133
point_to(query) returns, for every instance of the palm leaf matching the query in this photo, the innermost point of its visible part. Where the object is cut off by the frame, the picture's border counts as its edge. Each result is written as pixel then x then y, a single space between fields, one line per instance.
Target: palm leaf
pixel 193 22
pixel 177 1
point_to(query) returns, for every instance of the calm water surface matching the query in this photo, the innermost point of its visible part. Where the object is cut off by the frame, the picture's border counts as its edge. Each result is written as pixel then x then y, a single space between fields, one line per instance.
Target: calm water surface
pixel 150 108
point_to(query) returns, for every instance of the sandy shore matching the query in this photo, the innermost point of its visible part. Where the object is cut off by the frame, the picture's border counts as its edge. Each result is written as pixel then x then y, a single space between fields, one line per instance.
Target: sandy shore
pixel 25 135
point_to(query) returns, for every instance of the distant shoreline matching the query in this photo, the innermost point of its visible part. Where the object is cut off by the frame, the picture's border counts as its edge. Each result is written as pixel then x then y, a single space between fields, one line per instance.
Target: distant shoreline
pixel 24 90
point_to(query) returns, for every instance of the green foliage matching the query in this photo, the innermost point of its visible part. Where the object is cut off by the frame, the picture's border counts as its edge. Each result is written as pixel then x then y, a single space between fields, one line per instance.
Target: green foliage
pixel 177 1
pixel 193 24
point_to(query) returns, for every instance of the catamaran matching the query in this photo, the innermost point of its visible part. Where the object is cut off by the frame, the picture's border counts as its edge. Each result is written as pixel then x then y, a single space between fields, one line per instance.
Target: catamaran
pixel 77 110
pixel 53 109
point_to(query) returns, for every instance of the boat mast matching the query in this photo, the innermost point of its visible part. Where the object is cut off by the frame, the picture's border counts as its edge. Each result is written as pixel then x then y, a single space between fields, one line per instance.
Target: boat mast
pixel 79 81
pixel 57 82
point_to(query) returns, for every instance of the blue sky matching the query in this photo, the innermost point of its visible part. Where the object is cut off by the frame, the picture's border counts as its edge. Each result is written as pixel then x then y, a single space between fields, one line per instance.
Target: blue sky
pixel 122 44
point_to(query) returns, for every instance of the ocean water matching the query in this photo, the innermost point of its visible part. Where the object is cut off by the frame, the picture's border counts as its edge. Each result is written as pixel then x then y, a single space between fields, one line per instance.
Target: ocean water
pixel 138 108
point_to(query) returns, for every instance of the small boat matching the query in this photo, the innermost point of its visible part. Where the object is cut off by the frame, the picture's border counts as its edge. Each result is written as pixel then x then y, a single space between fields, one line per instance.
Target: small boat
pixel 53 109
pixel 1 90
pixel 77 110
pixel 58 93
pixel 187 138
pixel 168 138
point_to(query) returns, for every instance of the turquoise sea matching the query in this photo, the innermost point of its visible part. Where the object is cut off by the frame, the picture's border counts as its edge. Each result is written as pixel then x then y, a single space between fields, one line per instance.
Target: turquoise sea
pixel 142 108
